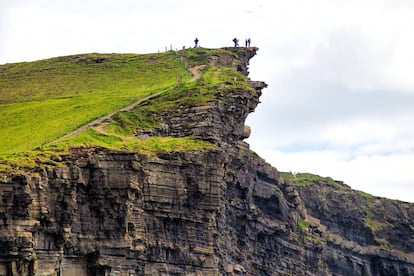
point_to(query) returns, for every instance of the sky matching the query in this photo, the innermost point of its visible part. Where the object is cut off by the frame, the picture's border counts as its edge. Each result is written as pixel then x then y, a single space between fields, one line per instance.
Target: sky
pixel 340 101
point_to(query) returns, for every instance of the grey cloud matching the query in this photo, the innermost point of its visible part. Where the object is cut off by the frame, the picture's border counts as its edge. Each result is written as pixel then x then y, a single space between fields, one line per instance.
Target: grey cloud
pixel 302 102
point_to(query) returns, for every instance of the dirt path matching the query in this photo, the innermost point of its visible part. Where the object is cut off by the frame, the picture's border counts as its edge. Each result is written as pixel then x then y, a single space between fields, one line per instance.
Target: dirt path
pixel 101 120
pixel 99 123
pixel 196 71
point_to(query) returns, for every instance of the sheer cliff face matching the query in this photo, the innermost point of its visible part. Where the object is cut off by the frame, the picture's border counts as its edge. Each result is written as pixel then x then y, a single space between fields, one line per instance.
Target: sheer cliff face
pixel 211 212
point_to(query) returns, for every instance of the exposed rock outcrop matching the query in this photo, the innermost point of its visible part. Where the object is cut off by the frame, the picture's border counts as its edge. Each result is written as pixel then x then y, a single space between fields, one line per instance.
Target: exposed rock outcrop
pixel 209 212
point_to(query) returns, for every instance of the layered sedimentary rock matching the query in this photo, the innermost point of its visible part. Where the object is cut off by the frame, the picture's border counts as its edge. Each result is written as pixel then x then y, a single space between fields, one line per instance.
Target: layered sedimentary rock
pixel 221 211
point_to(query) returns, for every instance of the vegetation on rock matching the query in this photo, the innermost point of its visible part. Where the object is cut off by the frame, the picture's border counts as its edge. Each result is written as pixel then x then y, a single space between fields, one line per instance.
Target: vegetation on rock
pixel 42 101
pixel 167 185
pixel 308 179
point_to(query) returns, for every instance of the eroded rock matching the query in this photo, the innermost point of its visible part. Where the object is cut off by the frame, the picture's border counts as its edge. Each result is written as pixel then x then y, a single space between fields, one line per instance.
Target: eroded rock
pixel 211 212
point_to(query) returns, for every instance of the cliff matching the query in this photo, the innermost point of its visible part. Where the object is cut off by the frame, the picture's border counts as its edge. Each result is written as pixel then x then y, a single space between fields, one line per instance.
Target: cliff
pixel 221 210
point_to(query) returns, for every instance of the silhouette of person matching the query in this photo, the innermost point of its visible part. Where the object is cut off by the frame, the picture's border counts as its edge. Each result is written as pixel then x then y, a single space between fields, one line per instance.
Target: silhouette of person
pixel 248 42
pixel 196 42
pixel 236 42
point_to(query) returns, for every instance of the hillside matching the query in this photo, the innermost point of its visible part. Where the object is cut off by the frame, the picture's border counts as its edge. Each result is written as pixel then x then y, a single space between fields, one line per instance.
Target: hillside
pixel 167 186
pixel 43 100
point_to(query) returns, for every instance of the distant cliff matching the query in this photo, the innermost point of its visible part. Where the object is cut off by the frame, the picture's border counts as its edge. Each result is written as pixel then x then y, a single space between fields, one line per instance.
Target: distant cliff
pixel 216 211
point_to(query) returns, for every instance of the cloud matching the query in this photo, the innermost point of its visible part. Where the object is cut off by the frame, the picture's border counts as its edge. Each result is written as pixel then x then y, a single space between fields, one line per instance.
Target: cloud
pixel 41 29
pixel 340 97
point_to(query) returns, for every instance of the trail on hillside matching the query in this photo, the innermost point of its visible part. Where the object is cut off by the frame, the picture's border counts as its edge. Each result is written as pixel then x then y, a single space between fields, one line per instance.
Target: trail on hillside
pixel 99 123
pixel 196 71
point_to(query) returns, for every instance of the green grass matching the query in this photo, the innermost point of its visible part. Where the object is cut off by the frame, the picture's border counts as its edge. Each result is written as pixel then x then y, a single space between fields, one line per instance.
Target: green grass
pixel 365 195
pixel 308 179
pixel 151 146
pixel 303 225
pixel 29 159
pixel 199 56
pixel 213 80
pixel 43 100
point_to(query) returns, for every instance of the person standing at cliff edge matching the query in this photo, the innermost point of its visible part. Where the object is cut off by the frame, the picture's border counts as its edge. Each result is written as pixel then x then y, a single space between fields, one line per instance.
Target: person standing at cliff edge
pixel 236 42
pixel 196 42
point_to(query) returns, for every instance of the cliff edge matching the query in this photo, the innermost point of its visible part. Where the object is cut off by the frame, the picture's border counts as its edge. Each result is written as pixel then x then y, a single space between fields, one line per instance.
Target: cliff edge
pixel 218 210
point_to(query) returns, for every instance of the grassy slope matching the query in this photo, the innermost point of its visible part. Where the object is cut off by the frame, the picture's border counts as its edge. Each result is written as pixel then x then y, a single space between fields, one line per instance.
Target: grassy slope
pixel 43 100
pixel 308 179
pixel 186 94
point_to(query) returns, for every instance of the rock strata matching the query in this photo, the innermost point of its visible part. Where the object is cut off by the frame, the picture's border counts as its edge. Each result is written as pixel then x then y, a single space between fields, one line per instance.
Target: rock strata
pixel 222 211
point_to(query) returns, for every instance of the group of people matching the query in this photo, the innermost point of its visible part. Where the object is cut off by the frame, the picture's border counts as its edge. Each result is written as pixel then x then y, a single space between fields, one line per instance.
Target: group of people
pixel 235 41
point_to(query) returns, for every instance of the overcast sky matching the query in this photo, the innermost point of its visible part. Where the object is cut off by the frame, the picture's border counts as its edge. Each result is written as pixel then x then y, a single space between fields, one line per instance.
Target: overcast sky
pixel 340 100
